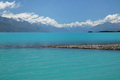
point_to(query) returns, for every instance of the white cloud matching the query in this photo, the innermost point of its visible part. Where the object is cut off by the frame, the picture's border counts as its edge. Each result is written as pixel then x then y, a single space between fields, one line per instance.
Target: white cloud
pixel 115 18
pixel 6 4
pixel 33 18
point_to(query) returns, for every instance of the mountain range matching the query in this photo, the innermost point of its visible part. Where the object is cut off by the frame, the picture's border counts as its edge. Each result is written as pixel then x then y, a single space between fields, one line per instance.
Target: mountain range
pixel 11 25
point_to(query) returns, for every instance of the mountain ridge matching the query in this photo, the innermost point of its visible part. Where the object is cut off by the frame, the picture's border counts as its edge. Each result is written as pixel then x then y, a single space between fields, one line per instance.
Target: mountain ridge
pixel 11 25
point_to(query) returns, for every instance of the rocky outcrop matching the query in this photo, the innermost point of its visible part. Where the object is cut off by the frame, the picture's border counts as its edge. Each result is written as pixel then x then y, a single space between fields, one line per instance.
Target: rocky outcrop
pixel 102 47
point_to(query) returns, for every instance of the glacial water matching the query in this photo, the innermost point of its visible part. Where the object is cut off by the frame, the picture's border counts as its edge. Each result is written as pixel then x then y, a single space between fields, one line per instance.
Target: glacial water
pixel 58 63
pixel 58 38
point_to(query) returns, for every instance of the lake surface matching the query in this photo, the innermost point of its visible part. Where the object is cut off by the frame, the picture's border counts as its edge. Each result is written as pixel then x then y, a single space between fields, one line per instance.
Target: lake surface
pixel 58 38
pixel 58 63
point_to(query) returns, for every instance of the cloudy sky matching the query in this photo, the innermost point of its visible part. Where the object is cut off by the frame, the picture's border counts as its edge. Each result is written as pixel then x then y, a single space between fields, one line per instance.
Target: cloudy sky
pixel 61 13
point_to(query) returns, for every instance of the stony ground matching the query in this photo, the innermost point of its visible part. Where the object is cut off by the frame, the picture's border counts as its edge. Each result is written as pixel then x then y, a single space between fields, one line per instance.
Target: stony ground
pixel 104 46
pixel 101 46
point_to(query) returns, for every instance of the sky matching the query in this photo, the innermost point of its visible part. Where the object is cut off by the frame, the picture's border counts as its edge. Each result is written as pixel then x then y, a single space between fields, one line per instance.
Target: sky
pixel 65 11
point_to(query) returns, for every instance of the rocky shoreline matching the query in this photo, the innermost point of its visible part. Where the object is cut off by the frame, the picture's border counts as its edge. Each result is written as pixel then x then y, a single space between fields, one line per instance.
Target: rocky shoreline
pixel 101 46
pixel 96 46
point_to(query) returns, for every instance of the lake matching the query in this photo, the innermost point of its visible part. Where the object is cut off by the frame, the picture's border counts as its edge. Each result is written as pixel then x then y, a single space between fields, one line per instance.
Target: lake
pixel 58 63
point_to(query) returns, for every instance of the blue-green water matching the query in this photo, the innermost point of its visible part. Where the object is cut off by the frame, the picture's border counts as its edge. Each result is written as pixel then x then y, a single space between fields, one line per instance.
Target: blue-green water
pixel 59 38
pixel 58 63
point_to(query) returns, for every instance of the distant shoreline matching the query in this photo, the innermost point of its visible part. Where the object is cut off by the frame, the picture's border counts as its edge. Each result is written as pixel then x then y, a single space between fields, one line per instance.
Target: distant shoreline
pixel 104 32
pixel 95 46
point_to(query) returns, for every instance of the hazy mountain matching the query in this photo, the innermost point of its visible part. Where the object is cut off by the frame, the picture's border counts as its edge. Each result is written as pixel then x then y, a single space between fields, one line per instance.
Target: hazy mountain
pixel 107 27
pixel 11 25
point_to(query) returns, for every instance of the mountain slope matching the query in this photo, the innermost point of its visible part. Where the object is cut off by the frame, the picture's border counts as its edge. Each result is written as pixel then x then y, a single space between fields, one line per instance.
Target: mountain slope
pixel 11 25
pixel 107 27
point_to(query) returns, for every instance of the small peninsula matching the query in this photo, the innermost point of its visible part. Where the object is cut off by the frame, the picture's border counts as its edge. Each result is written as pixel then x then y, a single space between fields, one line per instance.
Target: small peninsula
pixel 100 46
pixel 92 46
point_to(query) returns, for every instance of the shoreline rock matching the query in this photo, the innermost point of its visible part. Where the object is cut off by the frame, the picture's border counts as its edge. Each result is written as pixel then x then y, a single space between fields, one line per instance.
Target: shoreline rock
pixel 101 46
pixel 95 46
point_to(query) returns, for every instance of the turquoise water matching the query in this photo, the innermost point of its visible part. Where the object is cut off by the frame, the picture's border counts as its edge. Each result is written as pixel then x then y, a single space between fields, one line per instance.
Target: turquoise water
pixel 58 38
pixel 58 63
